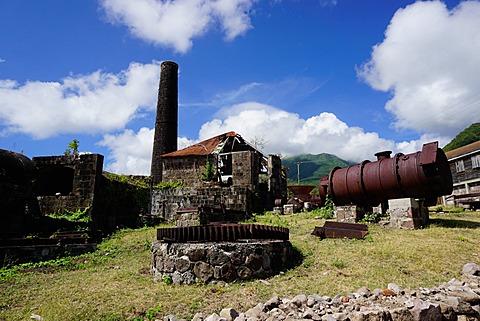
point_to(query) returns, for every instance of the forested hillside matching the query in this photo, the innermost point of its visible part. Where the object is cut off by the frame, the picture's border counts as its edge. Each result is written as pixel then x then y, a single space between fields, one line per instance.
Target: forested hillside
pixel 312 167
pixel 467 136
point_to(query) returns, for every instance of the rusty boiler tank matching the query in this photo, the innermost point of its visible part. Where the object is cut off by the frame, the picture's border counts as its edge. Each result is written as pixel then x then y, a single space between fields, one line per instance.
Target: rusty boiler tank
pixel 423 175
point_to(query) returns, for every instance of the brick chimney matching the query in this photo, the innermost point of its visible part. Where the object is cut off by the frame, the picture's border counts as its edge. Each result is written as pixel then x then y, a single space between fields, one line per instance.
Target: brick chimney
pixel 166 122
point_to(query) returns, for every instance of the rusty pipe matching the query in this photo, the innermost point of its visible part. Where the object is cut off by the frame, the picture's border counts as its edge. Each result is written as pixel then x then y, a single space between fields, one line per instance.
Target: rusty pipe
pixel 424 174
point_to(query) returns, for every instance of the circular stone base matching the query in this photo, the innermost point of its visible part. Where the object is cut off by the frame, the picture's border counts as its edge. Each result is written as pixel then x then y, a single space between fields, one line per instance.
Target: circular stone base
pixel 187 263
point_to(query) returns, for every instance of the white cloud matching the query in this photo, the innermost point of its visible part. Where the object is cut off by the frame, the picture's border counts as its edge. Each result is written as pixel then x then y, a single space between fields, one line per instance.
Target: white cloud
pixel 282 132
pixel 416 145
pixel 429 61
pixel 287 133
pixel 2 60
pixel 131 153
pixel 175 23
pixel 91 103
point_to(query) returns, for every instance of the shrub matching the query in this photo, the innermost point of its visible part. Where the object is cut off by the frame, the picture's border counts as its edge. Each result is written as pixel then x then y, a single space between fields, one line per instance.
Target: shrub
pixel 371 218
pixel 209 172
pixel 327 211
pixel 168 185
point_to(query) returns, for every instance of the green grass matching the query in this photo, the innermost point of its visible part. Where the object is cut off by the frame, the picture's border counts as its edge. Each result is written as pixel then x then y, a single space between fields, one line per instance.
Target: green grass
pixel 115 282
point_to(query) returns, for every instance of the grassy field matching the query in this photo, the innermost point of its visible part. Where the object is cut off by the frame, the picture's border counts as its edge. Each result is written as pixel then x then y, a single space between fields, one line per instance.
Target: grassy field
pixel 115 282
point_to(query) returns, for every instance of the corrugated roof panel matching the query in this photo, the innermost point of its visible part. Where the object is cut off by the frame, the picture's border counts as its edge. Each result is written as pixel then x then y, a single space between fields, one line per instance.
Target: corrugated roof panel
pixel 205 147
pixel 463 150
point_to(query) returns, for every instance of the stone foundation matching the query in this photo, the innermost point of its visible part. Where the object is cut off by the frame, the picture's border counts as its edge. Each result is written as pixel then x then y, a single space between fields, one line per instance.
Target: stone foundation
pixel 187 218
pixel 351 213
pixel 188 263
pixel 165 203
pixel 407 213
pixel 38 253
pixel 289 209
pixel 205 215
pixel 278 210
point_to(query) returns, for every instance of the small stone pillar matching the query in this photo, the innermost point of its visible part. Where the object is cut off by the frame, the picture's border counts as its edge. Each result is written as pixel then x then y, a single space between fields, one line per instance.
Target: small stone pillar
pixel 288 209
pixel 351 213
pixel 408 213
pixel 307 206
pixel 278 210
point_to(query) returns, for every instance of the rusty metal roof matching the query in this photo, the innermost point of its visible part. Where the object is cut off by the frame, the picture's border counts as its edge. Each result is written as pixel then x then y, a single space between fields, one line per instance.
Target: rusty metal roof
pixel 205 147
pixel 467 149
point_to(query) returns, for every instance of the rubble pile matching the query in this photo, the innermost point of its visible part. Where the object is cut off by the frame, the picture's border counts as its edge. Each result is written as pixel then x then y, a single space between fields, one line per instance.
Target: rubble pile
pixel 453 300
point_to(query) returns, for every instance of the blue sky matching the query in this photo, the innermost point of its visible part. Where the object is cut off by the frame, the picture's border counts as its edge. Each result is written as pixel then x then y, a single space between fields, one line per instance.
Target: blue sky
pixel 343 77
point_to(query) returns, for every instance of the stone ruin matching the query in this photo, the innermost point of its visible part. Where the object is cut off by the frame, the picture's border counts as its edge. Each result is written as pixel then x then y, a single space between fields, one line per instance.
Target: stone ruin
pixel 33 192
pixel 455 300
pixel 189 263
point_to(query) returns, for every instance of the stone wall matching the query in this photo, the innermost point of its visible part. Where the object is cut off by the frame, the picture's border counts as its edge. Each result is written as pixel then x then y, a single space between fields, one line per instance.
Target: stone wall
pixel 246 168
pixel 118 204
pixel 188 263
pixel 204 215
pixel 67 182
pixel 188 170
pixel 405 213
pixel 38 253
pixel 166 202
pixel 76 182
pixel 351 213
pixel 187 218
pixel 277 182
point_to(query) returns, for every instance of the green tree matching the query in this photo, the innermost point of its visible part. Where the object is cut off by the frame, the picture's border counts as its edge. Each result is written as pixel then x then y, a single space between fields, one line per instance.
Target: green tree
pixel 467 136
pixel 209 172
pixel 72 148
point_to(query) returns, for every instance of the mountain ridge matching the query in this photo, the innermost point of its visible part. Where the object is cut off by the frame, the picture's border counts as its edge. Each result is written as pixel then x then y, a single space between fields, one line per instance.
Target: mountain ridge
pixel 312 167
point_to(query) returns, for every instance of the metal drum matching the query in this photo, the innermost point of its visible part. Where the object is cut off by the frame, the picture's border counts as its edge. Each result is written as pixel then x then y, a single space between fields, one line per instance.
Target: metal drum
pixel 424 174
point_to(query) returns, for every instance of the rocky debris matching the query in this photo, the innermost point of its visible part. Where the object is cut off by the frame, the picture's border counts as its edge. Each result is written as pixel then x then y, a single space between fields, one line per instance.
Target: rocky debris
pixel 455 300
pixel 36 317
pixel 471 269
pixel 229 314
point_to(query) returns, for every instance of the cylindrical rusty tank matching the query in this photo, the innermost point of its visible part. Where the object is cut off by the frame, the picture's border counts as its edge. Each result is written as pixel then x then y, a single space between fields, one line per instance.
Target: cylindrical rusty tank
pixel 424 174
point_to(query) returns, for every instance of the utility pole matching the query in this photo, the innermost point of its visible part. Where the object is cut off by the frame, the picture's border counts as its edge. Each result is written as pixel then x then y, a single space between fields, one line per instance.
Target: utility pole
pixel 298 169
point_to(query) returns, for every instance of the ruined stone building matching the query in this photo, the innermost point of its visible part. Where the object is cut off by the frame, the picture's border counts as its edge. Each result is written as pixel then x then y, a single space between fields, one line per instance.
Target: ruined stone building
pixel 243 179
pixel 77 183
pixel 235 161
pixel 32 189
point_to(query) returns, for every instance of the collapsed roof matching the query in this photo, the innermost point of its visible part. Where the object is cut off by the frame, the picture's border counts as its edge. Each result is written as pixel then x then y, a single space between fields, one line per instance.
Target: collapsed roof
pixel 224 143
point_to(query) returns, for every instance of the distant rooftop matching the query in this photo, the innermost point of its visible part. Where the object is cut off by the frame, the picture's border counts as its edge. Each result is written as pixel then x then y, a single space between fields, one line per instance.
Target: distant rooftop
pixel 467 149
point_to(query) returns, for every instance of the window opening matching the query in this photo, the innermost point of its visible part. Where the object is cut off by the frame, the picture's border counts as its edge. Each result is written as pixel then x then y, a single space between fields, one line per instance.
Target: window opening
pixel 476 161
pixel 459 166
pixel 54 180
